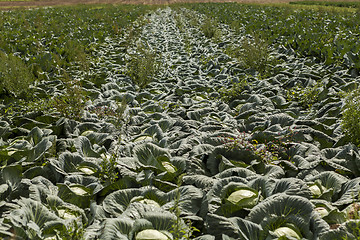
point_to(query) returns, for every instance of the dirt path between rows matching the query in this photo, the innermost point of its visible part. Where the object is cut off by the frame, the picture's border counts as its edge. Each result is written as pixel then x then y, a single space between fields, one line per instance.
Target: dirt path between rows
pixel 42 3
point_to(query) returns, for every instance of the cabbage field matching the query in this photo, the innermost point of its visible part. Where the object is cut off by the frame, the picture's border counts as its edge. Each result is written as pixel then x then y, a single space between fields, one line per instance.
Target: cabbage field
pixel 188 121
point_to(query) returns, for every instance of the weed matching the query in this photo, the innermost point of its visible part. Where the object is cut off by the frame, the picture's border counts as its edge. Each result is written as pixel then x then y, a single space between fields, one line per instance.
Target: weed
pixel 115 116
pixel 108 173
pixel 210 28
pixel 71 104
pixel 15 76
pixel 230 94
pixel 187 43
pixel 305 96
pixel 179 229
pixel 351 117
pixel 75 52
pixel 267 151
pixel 279 147
pixel 133 31
pixel 191 18
pixel 21 106
pixel 179 22
pixel 75 231
pixel 353 223
pixel 143 66
pixel 254 53
pixel 236 26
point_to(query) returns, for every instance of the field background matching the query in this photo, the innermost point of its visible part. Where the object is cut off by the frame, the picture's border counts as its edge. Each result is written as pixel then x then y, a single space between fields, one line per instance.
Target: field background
pixel 201 121
pixel 6 4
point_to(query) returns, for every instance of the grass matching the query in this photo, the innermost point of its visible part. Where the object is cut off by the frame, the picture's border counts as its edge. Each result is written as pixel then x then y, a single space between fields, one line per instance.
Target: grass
pixel 306 96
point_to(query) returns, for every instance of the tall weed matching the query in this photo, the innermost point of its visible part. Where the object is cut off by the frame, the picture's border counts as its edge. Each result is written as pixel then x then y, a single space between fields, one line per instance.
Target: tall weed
pixel 210 28
pixel 15 76
pixel 351 117
pixel 254 53
pixel 236 89
pixel 72 103
pixel 143 66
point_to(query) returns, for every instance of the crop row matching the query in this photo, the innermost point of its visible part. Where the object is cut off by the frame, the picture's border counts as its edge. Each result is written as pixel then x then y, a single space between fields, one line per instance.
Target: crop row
pixel 180 127
pixel 329 37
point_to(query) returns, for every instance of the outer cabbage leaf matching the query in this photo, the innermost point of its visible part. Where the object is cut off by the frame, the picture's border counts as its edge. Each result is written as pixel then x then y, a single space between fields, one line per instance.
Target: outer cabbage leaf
pixel 33 219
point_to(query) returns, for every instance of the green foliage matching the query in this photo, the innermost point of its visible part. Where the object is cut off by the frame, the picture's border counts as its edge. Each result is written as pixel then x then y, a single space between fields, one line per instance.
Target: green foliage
pixel 70 104
pixel 236 89
pixel 41 36
pixel 328 3
pixel 179 22
pixel 253 53
pixel 251 185
pixel 75 231
pixel 143 66
pixel 15 76
pixel 306 96
pixel 210 28
pixel 241 142
pixel 115 116
pixel 354 227
pixel 74 52
pixel 351 117
pixel 22 106
pixel 108 173
pixel 134 31
pixel 353 223
pixel 309 33
pixel 267 151
pixel 179 229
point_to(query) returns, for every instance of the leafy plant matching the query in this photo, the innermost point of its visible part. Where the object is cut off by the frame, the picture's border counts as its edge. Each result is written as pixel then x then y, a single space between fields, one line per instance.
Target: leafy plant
pixel 351 117
pixel 353 224
pixel 115 116
pixel 28 104
pixel 143 66
pixel 328 3
pixel 242 142
pixel 306 96
pixel 268 151
pixel 15 76
pixel 71 104
pixel 236 89
pixel 108 172
pixel 210 28
pixel 179 229
pixel 133 31
pixel 74 52
pixel 253 53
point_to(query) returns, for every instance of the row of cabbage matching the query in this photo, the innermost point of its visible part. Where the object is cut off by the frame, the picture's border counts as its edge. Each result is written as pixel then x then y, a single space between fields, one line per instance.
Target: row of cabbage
pixel 42 43
pixel 329 36
pixel 210 148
